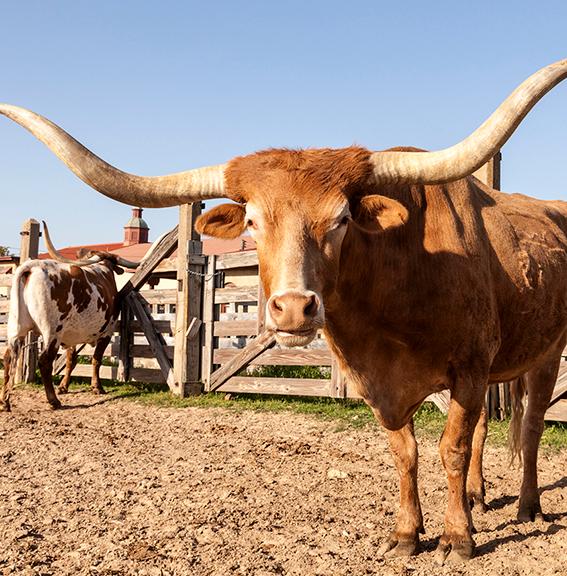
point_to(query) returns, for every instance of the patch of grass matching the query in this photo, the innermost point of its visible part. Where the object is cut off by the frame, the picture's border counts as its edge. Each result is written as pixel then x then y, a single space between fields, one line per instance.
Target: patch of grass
pixel 346 414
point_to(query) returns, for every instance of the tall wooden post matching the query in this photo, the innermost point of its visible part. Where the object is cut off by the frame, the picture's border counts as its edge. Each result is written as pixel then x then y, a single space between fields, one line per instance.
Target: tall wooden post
pixel 187 355
pixel 29 249
pixel 489 173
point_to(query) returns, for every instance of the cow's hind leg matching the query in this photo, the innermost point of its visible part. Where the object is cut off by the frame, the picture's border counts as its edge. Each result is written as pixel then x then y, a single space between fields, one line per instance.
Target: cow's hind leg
pixel 456 543
pixel 404 540
pixel 46 369
pixel 475 477
pixel 70 363
pixel 97 362
pixel 540 384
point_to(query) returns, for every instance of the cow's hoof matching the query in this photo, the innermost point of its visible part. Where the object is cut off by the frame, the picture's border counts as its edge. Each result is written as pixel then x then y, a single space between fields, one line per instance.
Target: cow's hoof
pixel 99 391
pixel 396 548
pixel 62 390
pixel 453 551
pixel 476 500
pixel 5 407
pixel 55 404
pixel 530 513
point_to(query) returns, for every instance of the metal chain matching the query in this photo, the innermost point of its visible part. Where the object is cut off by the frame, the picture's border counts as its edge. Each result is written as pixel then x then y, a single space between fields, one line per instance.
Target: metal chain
pixel 204 275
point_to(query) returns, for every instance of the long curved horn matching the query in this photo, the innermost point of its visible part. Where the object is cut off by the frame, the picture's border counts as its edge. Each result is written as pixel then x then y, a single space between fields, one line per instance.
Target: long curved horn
pixel 53 252
pixel 143 191
pixel 471 153
pixel 127 263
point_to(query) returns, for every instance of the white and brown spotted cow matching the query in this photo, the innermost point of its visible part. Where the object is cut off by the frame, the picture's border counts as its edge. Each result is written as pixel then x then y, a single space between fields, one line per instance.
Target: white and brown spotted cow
pixel 67 303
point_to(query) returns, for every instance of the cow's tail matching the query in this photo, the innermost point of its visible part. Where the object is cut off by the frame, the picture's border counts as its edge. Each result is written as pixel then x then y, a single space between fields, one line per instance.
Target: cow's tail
pixel 19 319
pixel 518 389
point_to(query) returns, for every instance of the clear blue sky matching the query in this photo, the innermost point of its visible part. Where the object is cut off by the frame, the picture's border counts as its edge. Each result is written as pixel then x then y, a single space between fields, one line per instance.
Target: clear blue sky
pixel 158 87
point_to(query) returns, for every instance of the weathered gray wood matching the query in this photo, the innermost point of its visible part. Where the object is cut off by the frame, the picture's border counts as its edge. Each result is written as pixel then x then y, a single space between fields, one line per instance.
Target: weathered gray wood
pixel 29 249
pixel 147 375
pixel 261 321
pixel 235 328
pixel 165 248
pixel 560 387
pixel 239 294
pixel 246 355
pixel 441 400
pixel 337 385
pixel 5 280
pixel 186 361
pixel 278 357
pixel 124 358
pixel 283 386
pixel 86 371
pixel 237 260
pixel 162 326
pixel 208 321
pixel 557 412
pixel 154 338
pixel 159 296
pixel 145 351
pixel 4 306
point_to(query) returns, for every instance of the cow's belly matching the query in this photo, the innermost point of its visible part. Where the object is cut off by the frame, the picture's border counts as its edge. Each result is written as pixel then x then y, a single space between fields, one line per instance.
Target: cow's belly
pixel 87 327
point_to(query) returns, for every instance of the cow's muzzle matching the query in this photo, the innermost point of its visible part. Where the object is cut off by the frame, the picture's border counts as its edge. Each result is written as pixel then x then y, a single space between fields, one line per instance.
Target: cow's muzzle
pixel 295 317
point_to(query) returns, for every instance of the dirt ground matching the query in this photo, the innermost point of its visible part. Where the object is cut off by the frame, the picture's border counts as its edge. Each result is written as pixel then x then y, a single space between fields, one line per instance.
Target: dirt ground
pixel 111 487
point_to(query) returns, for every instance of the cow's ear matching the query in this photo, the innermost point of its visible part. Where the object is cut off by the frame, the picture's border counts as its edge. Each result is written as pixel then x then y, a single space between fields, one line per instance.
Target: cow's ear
pixel 375 213
pixel 225 221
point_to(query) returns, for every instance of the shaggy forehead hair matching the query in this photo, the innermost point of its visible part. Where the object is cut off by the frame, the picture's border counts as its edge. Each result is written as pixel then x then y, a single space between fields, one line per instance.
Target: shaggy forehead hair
pixel 320 171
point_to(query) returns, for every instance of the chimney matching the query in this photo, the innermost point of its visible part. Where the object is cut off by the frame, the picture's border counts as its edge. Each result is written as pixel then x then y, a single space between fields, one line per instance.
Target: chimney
pixel 136 230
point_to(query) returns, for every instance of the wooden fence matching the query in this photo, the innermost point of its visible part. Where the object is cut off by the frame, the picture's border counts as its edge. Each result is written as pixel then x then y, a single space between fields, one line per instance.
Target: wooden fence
pixel 216 316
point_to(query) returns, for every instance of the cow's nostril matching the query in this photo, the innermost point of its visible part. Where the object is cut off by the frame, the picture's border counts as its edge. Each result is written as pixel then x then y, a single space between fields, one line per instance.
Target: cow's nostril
pixel 311 307
pixel 277 305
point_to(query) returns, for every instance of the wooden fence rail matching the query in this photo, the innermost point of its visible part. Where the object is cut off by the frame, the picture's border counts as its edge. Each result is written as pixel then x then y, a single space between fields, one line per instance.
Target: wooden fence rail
pixel 217 341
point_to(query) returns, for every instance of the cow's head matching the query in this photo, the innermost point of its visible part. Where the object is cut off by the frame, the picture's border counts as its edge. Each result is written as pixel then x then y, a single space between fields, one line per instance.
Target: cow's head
pixel 298 205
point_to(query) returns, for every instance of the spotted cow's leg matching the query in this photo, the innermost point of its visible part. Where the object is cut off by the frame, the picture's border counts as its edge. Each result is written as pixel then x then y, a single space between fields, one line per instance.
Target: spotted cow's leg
pixel 46 360
pixel 540 383
pixel 97 361
pixel 404 540
pixel 70 363
pixel 475 478
pixel 456 543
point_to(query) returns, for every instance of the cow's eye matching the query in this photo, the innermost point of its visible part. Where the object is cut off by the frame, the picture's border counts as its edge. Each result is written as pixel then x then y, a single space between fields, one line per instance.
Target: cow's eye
pixel 250 223
pixel 344 221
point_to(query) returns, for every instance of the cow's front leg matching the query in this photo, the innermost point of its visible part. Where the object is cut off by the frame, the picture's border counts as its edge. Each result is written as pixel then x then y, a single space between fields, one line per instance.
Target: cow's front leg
pixel 97 362
pixel 45 362
pixel 404 540
pixel 467 399
pixel 7 385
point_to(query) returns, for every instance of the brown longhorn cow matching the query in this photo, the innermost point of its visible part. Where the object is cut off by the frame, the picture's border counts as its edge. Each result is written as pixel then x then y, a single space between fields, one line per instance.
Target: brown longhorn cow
pixel 66 302
pixel 422 278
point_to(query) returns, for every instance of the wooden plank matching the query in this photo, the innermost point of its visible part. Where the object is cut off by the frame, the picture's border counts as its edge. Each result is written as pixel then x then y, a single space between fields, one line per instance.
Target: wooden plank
pixel 186 361
pixel 161 326
pixel 337 385
pixel 441 400
pixel 4 306
pixel 147 375
pixel 237 260
pixel 239 294
pixel 246 355
pixel 153 297
pixel 3 330
pixel 235 328
pixel 164 248
pixel 29 250
pixel 125 327
pixel 145 351
pixel 261 321
pixel 6 280
pixel 560 387
pixel 154 338
pixel 557 412
pixel 283 386
pixel 211 281
pixel 279 357
pixel 86 371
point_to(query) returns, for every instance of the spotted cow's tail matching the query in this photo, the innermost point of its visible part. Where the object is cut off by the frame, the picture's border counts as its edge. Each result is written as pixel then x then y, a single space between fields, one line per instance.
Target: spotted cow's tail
pixel 517 395
pixel 19 320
